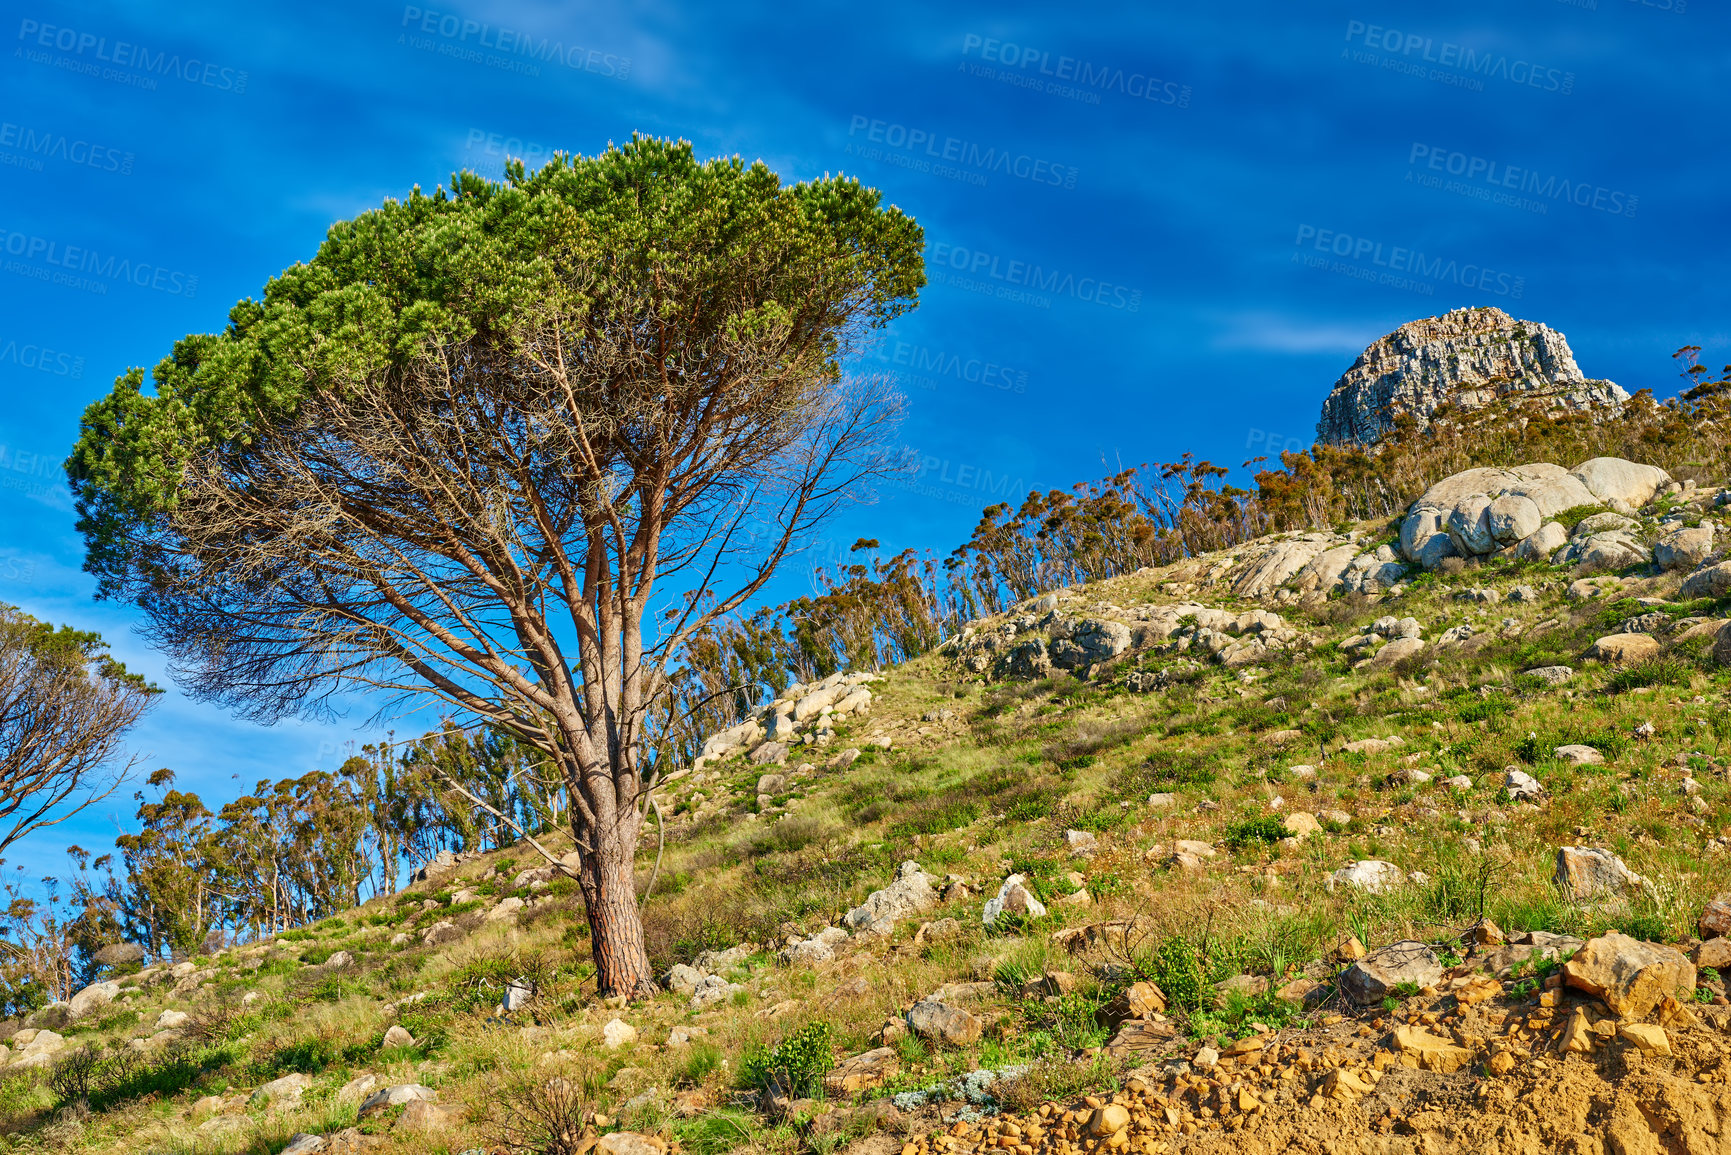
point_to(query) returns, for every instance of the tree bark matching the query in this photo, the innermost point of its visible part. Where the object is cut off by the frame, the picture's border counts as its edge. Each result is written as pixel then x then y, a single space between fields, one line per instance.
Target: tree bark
pixel 615 929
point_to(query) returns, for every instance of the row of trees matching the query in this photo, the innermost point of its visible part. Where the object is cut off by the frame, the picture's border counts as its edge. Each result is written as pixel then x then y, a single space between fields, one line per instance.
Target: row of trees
pixel 187 878
pixel 879 610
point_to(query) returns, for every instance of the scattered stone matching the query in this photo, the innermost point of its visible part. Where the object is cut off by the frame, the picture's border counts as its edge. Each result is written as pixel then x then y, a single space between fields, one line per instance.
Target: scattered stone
pixel 1370 875
pixel 1715 918
pixel 1015 897
pixel 1345 1085
pixel 1715 953
pixel 1648 1038
pixel 1301 992
pixel 768 753
pixel 1579 755
pixel 208 1105
pixel 441 932
pixel 618 1033
pixel 1623 648
pixel 1521 786
pixel 1712 581
pixel 397 1036
pixel 1587 872
pixel 170 1020
pixel 1577 1036
pixel 400 1095
pixel 1398 650
pixel 1374 977
pixel 1081 843
pixel 422 1115
pixel 1629 976
pixel 357 1089
pixel 809 952
pixel 92 998
pixel 909 895
pixel 284 1091
pixel 862 1072
pixel 682 978
pixel 626 1143
pixel 941 1022
pixel 713 989
pixel 1552 675
pixel 1372 746
pixel 1249 986
pixel 301 1143
pixel 1139 1001
pixel 1108 1120
pixel 1430 1052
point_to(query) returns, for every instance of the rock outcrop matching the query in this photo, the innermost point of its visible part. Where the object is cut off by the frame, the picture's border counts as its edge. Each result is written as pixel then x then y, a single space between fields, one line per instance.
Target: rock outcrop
pixel 1489 510
pixel 1467 359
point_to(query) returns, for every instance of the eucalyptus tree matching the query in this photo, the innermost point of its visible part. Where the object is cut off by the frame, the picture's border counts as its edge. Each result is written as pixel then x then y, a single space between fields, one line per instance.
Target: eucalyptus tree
pixel 66 705
pixel 497 446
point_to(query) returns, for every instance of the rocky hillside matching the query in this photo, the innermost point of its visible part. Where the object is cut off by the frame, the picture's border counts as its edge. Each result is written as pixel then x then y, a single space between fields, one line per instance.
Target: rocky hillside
pixel 1466 358
pixel 1332 842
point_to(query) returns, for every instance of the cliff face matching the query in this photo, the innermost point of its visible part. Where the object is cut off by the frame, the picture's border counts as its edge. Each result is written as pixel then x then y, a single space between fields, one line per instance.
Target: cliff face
pixel 1468 358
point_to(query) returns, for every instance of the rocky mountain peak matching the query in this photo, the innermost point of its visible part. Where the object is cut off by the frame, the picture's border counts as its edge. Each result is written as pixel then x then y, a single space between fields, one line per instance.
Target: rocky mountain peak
pixel 1468 358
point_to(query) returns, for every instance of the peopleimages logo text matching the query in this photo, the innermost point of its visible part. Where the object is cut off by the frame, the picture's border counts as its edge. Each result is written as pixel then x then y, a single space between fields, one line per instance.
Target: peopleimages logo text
pixel 35 145
pixel 954 150
pixel 1448 54
pixel 40 358
pixel 515 42
pixel 122 54
pixel 1064 71
pixel 960 481
pixel 972 263
pixel 88 269
pixel 1521 180
pixel 1397 265
pixel 927 364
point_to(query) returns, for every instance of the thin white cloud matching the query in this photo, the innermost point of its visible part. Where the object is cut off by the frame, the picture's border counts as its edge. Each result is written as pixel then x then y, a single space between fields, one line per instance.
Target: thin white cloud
pixel 1281 334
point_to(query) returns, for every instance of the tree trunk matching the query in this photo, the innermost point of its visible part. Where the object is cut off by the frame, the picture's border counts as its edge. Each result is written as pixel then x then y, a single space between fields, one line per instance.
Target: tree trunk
pixel 615 929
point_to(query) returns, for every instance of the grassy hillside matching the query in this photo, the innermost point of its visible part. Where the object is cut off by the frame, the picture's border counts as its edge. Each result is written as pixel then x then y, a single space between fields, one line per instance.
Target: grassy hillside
pixel 1085 787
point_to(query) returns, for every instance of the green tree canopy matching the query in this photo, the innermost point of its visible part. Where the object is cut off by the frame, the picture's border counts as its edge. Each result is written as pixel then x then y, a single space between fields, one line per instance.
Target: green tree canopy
pixel 458 452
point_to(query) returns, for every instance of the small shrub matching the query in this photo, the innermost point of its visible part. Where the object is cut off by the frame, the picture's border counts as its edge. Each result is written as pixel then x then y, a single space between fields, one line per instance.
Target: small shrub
pixel 1491 707
pixel 1054 1079
pixel 797 1064
pixel 1176 967
pixel 1576 514
pixel 71 1077
pixel 531 1111
pixel 215 1022
pixel 1264 828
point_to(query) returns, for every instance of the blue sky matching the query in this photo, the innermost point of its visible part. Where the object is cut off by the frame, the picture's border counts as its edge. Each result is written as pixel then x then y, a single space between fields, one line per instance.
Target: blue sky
pixel 1152 228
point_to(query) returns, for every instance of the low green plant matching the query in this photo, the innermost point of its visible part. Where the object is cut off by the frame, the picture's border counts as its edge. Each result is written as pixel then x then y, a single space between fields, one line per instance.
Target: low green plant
pixel 698 1063
pixel 1263 828
pixel 1176 967
pixel 796 1065
pixel 1661 670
